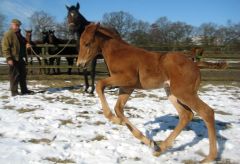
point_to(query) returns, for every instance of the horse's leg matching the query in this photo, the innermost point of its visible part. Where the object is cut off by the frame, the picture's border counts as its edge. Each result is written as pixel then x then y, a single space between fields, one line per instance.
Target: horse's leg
pixel 31 64
pixel 58 59
pixel 122 99
pixel 100 86
pixel 85 74
pixel 40 64
pixel 70 63
pixel 185 116
pixel 93 74
pixel 207 114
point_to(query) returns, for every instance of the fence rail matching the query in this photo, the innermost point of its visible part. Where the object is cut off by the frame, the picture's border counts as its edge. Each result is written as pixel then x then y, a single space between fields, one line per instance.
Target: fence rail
pixel 211 54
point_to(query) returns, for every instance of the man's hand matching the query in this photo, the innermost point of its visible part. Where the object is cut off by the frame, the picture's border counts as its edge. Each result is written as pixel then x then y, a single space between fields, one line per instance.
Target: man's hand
pixel 28 45
pixel 10 62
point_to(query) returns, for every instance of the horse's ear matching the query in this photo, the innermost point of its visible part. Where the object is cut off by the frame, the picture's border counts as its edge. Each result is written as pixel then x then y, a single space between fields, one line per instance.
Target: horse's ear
pixel 67 7
pixel 97 25
pixel 78 6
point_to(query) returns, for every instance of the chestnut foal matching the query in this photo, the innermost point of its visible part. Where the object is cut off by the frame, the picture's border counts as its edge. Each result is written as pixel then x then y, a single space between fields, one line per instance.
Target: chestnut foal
pixel 134 68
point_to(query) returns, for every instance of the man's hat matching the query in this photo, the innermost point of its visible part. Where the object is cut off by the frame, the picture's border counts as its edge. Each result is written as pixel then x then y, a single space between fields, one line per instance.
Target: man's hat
pixel 16 21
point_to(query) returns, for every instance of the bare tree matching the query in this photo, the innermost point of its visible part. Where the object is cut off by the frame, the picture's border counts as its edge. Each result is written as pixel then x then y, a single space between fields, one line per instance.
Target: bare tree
pixel 2 19
pixel 123 22
pixel 229 34
pixel 140 34
pixel 62 30
pixel 163 31
pixel 41 21
pixel 208 33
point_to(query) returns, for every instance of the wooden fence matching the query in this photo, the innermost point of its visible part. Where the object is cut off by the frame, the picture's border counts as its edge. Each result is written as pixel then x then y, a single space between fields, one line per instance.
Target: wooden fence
pixel 212 54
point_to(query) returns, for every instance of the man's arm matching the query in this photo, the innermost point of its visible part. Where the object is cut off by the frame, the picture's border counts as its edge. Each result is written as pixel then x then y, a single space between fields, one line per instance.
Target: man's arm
pixel 6 49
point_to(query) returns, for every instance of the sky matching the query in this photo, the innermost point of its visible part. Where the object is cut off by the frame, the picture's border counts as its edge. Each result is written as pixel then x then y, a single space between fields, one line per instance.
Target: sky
pixel 193 12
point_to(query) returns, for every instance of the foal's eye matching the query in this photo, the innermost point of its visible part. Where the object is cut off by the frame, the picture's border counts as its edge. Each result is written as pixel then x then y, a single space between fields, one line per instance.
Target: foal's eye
pixel 87 44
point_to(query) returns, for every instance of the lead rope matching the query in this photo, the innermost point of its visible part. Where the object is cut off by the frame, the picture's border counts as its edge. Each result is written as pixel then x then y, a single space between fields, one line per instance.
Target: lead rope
pixel 52 56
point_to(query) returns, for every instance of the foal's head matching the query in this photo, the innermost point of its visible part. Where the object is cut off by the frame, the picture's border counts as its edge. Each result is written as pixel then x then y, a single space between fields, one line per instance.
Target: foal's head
pixel 89 47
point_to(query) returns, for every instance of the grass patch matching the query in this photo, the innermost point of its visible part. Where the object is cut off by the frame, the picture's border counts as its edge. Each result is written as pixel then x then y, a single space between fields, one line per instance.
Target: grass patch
pixel 225 161
pixel 9 107
pixel 99 138
pixel 40 141
pixel 99 123
pixel 189 162
pixel 137 159
pixel 222 113
pixel 38 118
pixel 57 160
pixel 65 122
pixel 4 97
pixel 25 110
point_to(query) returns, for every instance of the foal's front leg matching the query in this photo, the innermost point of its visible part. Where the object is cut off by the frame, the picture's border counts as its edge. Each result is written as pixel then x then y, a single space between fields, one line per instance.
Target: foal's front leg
pixel 124 94
pixel 100 86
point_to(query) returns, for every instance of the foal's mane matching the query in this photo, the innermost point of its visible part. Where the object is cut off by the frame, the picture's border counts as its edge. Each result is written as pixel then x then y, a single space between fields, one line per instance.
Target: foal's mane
pixel 108 32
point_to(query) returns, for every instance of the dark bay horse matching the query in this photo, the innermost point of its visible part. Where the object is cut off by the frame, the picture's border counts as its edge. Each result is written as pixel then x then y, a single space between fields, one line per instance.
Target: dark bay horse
pixel 37 50
pixel 134 68
pixel 52 39
pixel 77 23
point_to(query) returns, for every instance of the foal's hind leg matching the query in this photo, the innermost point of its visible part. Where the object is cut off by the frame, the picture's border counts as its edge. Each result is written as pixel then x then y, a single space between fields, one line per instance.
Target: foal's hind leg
pixel 207 114
pixel 185 116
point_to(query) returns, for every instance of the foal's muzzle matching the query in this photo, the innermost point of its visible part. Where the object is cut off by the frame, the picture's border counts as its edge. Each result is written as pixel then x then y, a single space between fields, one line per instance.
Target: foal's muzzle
pixel 82 64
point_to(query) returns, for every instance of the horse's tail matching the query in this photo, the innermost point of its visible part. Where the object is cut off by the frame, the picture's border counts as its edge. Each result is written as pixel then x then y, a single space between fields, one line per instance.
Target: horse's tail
pixel 210 65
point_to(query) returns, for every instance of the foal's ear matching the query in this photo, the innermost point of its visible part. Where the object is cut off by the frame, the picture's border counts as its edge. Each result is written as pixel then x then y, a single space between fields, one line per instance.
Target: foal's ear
pixel 78 6
pixel 97 25
pixel 67 7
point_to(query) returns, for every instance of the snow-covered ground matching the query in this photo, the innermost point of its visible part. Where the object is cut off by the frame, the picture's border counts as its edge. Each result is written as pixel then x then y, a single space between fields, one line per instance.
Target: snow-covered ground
pixel 2 61
pixel 63 125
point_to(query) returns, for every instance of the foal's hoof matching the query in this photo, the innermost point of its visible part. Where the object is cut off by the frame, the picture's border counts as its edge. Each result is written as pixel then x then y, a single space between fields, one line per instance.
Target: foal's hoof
pixel 156 149
pixel 207 160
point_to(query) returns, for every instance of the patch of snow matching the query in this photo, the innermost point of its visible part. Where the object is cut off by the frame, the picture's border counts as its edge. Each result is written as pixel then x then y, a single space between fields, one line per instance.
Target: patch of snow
pixel 62 125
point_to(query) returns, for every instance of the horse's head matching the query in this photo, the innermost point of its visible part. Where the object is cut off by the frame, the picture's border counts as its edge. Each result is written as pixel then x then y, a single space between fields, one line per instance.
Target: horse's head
pixel 51 37
pixel 45 36
pixel 89 46
pixel 28 35
pixel 73 16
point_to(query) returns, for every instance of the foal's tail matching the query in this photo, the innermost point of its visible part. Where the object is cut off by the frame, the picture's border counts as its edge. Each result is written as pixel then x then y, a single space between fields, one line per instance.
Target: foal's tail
pixel 211 65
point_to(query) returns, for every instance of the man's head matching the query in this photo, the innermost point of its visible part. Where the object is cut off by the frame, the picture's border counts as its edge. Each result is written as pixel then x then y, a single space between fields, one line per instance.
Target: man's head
pixel 15 25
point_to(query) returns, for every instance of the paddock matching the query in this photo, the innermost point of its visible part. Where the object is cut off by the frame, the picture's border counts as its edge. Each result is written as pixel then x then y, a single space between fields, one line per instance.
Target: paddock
pixel 64 125
pixel 60 124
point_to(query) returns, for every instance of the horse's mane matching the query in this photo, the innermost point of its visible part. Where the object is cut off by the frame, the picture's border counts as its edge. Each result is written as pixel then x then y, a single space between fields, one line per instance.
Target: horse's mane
pixel 109 32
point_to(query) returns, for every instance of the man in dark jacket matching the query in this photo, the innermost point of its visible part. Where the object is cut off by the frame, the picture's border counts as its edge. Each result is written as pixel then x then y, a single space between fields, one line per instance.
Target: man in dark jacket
pixel 14 49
